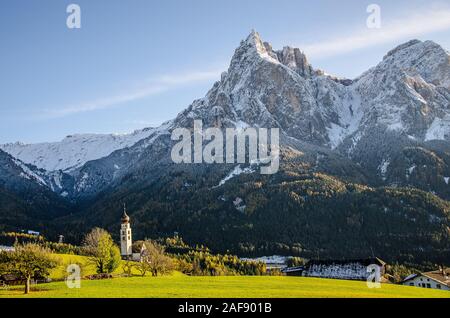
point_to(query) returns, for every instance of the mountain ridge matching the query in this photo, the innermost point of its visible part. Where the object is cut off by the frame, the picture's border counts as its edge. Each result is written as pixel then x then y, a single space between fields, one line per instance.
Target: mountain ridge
pixel 63 155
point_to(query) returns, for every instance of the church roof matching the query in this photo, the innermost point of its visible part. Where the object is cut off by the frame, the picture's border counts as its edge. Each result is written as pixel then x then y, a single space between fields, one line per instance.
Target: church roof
pixel 138 247
pixel 125 217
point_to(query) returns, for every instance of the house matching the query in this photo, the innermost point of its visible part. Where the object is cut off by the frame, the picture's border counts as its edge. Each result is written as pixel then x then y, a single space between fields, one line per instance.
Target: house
pixel 138 251
pixel 358 269
pixel 439 279
pixel 293 271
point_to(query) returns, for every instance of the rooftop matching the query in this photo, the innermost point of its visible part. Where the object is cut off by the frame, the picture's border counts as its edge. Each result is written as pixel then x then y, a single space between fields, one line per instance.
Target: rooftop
pixel 440 276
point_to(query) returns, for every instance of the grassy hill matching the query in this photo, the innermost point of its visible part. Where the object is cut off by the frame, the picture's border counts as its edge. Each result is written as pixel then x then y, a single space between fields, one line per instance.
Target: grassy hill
pixel 86 267
pixel 225 286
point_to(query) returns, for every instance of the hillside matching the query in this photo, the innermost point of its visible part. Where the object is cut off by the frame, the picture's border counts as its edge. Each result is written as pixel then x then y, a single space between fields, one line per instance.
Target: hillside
pixel 292 213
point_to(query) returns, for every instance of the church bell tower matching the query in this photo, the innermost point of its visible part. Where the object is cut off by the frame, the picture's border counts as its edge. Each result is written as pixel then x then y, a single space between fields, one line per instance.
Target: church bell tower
pixel 125 236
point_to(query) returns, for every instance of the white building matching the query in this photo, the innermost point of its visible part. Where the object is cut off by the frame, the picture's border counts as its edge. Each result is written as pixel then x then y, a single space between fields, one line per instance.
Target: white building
pixel 139 251
pixel 125 236
pixel 436 280
pixel 359 269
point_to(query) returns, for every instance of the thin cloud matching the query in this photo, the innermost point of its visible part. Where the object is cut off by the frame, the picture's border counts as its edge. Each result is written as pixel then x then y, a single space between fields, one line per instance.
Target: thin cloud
pixel 155 86
pixel 190 77
pixel 416 24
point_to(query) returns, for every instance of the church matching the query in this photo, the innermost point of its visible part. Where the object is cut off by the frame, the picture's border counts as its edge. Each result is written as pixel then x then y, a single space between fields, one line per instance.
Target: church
pixel 127 250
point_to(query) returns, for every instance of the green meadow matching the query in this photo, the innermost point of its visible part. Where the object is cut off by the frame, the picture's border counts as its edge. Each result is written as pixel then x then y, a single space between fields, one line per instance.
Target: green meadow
pixel 59 273
pixel 182 286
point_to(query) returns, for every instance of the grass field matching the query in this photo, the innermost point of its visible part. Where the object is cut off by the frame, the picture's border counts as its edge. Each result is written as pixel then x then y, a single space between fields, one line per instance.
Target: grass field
pixel 229 287
pixel 87 268
pixel 182 286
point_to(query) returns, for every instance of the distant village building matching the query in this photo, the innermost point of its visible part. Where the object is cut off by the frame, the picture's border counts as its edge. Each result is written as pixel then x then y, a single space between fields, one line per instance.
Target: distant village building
pixel 125 236
pixel 439 279
pixel 273 263
pixel 338 269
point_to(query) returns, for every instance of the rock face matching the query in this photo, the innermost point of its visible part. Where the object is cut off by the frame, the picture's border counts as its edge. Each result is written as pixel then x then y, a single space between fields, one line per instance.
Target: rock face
pixel 407 92
pixel 268 88
pixel 390 127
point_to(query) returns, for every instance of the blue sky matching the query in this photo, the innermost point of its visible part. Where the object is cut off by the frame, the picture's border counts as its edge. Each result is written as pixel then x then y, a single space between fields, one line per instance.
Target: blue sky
pixel 137 63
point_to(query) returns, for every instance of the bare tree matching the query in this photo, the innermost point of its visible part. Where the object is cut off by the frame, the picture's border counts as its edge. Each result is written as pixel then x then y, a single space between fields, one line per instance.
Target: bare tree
pixel 155 260
pixel 144 265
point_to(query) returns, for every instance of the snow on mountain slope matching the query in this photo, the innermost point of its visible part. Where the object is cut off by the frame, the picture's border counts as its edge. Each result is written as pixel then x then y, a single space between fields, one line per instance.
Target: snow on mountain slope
pixel 29 174
pixel 439 129
pixel 18 176
pixel 427 59
pixel 408 90
pixel 73 151
pixel 235 172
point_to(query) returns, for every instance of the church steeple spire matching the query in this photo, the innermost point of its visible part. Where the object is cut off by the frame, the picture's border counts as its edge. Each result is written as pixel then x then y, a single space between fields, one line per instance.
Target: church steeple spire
pixel 125 235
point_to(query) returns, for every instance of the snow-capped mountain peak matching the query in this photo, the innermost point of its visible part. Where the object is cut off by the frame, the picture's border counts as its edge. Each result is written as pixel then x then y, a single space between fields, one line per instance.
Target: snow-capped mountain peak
pixel 426 59
pixel 254 49
pixel 408 90
pixel 254 43
pixel 405 92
